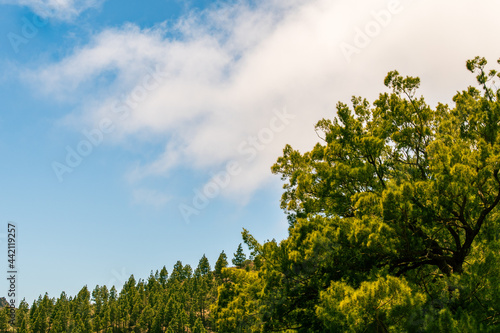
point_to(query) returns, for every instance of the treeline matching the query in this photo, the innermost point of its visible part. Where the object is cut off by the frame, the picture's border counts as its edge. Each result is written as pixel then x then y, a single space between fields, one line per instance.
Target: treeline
pixel 179 302
pixel 394 227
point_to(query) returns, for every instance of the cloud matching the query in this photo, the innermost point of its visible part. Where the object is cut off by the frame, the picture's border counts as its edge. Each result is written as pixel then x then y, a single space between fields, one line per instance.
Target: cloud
pixel 58 9
pixel 150 197
pixel 221 82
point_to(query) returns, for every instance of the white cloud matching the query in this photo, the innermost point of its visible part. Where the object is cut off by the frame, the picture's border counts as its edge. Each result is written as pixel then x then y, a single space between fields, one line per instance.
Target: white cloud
pixel 57 9
pixel 222 81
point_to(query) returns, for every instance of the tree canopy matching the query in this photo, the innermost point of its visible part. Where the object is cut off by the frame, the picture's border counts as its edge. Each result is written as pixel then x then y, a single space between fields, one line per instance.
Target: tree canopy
pixel 398 199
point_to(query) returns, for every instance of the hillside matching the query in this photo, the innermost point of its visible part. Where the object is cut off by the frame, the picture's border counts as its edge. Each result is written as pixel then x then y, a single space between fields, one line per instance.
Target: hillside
pixel 3 302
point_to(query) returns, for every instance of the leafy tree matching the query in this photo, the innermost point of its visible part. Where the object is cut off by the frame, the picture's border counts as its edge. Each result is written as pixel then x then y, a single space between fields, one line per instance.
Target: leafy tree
pixel 239 257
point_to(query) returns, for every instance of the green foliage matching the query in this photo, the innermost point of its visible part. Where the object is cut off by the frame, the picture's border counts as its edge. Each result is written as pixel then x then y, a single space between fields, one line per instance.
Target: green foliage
pixel 180 273
pixel 239 257
pixel 378 306
pixel 400 201
pixel 220 264
pixel 203 266
pixel 428 177
pixel 394 227
pixel 4 318
pixel 237 302
pixel 198 327
pixel 22 318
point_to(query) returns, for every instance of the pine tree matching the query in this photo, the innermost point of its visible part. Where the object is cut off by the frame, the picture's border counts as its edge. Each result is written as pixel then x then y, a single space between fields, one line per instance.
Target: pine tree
pixel 79 325
pixel 180 272
pixel 33 312
pixel 22 323
pixel 147 317
pixel 157 326
pixel 203 266
pixel 4 318
pixel 22 318
pixel 106 318
pixel 113 308
pixel 61 314
pixel 198 327
pixel 163 277
pixel 220 264
pixel 137 307
pixel 394 220
pixel 178 322
pixel 83 309
pixel 239 257
pixel 58 324
pixel 41 323
pixel 187 272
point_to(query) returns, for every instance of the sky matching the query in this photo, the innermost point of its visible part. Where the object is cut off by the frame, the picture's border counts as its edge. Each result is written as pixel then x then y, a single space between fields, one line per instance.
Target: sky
pixel 137 133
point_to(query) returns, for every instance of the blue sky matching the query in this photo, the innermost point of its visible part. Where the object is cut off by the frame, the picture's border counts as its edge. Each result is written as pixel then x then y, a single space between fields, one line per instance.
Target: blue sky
pixel 134 134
